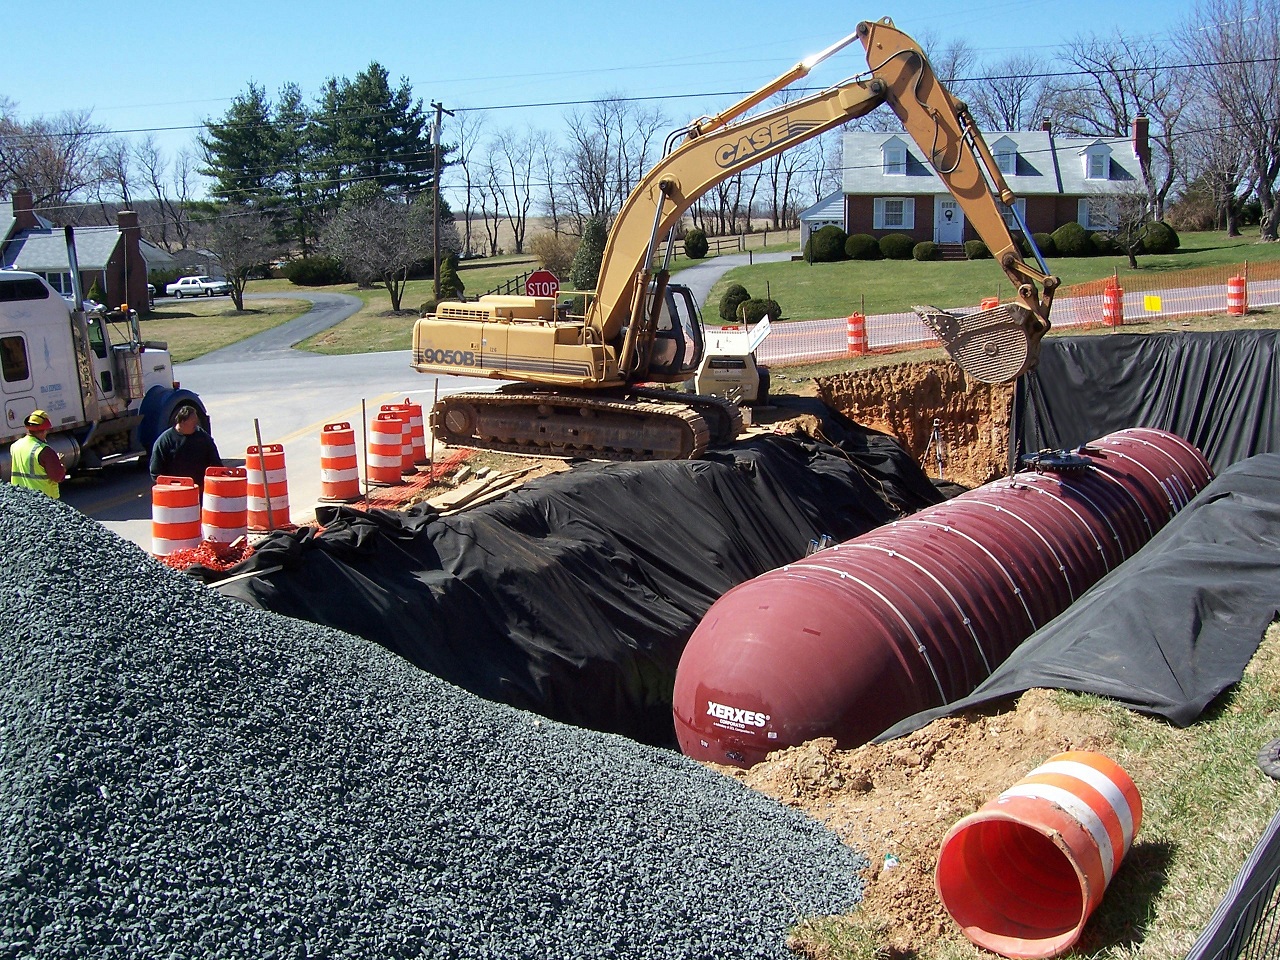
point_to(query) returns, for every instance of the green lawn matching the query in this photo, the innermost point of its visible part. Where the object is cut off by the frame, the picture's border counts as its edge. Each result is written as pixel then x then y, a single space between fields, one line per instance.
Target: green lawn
pixel 824 290
pixel 804 291
pixel 193 328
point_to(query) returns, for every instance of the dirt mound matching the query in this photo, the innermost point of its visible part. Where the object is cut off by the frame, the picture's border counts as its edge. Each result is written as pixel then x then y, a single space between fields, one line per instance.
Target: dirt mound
pixel 896 801
pixel 908 401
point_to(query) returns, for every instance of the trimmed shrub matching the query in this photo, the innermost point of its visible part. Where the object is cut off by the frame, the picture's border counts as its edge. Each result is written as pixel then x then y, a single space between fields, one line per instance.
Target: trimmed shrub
pixel 925 250
pixel 96 293
pixel 695 244
pixel 896 246
pixel 862 246
pixel 586 261
pixel 826 245
pixel 976 250
pixel 754 310
pixel 315 272
pixel 735 295
pixel 1071 240
pixel 1158 237
pixel 1045 242
pixel 1104 244
pixel 451 286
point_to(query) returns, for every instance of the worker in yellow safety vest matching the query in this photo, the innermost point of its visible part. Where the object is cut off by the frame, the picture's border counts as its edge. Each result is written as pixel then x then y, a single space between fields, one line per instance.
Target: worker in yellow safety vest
pixel 32 462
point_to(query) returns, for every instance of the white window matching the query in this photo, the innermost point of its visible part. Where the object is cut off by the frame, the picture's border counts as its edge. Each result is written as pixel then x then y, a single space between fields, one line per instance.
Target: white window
pixel 59 281
pixel 1098 213
pixel 895 160
pixel 1007 161
pixel 894 213
pixel 1010 221
pixel 1097 163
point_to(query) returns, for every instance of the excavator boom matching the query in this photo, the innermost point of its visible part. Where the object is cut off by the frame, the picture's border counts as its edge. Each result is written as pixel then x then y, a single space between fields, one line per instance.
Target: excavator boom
pixel 630 331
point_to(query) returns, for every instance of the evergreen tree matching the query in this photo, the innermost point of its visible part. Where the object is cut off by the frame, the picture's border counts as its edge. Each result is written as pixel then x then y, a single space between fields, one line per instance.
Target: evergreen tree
pixel 450 283
pixel 242 152
pixel 585 271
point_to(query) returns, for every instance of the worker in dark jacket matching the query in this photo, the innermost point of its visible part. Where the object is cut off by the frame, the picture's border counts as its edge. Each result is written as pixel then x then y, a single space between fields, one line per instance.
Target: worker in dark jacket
pixel 32 462
pixel 185 449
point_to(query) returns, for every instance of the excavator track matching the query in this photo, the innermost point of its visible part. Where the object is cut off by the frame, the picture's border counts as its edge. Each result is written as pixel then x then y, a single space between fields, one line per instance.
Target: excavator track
pixel 540 423
pixel 724 419
pixel 992 346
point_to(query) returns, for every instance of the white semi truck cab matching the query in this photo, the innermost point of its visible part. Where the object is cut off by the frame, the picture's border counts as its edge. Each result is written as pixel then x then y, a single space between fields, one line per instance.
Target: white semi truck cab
pixel 108 393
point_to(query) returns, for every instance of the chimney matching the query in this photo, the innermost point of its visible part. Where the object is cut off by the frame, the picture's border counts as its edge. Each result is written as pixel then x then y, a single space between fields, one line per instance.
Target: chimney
pixel 134 290
pixel 1046 123
pixel 23 214
pixel 1141 145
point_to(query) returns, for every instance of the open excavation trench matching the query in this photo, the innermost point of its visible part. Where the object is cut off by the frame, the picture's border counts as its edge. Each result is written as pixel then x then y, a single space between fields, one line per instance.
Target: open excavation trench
pixel 180 772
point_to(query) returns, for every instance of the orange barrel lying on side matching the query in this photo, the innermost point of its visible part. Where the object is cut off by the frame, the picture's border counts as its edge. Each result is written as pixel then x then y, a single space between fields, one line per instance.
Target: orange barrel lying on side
pixel 1022 874
pixel 915 614
pixel 268 487
pixel 225 510
pixel 175 515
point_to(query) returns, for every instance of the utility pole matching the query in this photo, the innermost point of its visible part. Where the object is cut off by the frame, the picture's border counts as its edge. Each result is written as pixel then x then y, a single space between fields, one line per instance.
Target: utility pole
pixel 435 198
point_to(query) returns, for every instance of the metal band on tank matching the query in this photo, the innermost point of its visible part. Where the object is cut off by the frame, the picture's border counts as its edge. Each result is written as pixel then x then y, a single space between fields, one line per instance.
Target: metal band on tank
pixel 1000 508
pixel 1013 584
pixel 1061 501
pixel 964 618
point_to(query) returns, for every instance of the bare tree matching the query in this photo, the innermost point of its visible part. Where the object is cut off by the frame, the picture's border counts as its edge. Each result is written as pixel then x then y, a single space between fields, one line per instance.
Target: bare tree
pixel 1217 164
pixel 516 154
pixel 1123 215
pixel 114 187
pixel 1014 95
pixel 243 240
pixel 467 130
pixel 550 162
pixel 1119 78
pixel 378 241
pixel 1244 85
pixel 58 158
pixel 609 148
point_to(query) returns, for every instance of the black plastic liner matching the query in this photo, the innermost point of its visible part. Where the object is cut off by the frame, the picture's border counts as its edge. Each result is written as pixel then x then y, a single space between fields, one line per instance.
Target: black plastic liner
pixel 1219 391
pixel 1171 627
pixel 574 595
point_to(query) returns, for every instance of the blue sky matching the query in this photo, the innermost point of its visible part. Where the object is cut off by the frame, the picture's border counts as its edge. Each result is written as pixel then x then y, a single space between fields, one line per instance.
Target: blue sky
pixel 146 65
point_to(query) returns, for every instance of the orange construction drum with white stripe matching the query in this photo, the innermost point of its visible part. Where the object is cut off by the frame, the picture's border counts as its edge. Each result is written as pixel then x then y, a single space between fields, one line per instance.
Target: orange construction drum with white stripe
pixel 268 487
pixel 386 448
pixel 225 511
pixel 1022 874
pixel 175 515
pixel 339 466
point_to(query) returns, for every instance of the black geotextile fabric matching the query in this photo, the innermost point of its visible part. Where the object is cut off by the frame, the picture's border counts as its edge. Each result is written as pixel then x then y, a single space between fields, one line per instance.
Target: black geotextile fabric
pixel 1218 391
pixel 1174 625
pixel 573 596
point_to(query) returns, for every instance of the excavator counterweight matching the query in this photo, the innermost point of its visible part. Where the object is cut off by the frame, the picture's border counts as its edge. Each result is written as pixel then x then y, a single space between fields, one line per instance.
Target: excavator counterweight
pixel 584 358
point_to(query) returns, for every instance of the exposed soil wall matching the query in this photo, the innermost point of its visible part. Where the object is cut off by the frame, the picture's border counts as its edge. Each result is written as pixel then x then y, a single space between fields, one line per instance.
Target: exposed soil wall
pixel 904 401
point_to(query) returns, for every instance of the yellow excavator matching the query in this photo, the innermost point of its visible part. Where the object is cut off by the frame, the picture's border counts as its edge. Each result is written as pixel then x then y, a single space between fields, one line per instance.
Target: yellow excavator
pixel 585 367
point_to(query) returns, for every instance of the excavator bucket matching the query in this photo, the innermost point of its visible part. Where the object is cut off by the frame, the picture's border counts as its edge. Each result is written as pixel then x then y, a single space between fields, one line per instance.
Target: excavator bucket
pixel 992 346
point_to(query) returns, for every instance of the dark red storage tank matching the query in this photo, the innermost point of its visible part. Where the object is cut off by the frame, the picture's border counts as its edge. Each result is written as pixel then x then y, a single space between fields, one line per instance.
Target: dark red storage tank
pixel 917 613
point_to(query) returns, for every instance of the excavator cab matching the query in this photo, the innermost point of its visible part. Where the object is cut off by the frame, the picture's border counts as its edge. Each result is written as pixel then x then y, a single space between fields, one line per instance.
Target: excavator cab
pixel 677 340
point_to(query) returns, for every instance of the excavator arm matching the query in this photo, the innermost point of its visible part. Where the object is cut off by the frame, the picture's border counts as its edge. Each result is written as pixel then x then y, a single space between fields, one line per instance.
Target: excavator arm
pixel 995 345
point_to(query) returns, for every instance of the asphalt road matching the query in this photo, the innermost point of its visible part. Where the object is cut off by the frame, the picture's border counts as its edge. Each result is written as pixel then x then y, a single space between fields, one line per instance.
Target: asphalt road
pixel 261 386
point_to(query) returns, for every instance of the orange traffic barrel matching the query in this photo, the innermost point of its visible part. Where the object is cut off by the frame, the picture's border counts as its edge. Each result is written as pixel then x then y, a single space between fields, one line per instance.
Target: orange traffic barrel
pixel 406 436
pixel 1022 874
pixel 225 513
pixel 175 515
pixel 1113 306
pixel 417 433
pixel 386 448
pixel 268 488
pixel 857 335
pixel 339 469
pixel 1237 297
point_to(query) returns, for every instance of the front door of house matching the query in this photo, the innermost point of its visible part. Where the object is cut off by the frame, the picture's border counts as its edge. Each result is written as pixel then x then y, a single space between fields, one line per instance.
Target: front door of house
pixel 948 225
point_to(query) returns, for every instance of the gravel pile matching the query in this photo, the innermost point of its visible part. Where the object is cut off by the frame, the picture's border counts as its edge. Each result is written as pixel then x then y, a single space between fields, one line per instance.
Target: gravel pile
pixel 181 775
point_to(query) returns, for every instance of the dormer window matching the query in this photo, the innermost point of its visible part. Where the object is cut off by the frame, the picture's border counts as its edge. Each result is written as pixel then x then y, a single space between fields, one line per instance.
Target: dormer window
pixel 1005 152
pixel 895 158
pixel 1097 162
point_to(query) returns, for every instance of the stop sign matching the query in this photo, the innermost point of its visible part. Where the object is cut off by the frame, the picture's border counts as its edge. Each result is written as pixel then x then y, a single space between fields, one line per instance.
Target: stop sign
pixel 541 283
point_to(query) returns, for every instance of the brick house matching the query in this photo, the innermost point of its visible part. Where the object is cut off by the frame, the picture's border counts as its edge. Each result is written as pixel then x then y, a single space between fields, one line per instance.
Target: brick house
pixel 117 257
pixel 889 188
